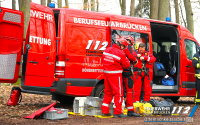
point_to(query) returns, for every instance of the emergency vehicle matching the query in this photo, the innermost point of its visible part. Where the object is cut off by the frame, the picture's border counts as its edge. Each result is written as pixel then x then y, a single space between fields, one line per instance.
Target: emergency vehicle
pixel 62 55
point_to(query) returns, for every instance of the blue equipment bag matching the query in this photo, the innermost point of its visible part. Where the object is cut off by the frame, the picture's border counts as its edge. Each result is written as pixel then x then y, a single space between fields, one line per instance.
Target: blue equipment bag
pixel 160 66
pixel 168 81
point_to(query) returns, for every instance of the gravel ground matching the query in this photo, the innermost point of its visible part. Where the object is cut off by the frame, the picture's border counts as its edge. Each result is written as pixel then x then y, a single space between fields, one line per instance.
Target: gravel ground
pixel 13 115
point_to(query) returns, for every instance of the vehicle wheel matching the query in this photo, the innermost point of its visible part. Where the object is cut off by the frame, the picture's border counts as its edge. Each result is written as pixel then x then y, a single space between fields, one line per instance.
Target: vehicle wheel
pixel 63 99
pixel 99 91
pixel 174 99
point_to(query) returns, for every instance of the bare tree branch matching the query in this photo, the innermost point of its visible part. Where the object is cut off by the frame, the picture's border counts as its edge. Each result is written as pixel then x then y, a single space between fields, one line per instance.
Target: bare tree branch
pixel 180 6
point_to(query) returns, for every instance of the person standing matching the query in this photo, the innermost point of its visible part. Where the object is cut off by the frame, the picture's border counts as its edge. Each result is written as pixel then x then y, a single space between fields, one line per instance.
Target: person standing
pixel 141 73
pixel 127 76
pixel 114 61
pixel 196 65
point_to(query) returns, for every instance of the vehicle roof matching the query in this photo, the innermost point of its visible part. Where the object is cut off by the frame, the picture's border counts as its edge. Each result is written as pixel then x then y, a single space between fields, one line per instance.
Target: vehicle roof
pixel 122 18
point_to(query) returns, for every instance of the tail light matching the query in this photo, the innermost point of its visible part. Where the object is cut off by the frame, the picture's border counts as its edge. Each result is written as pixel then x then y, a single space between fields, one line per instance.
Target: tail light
pixel 60 67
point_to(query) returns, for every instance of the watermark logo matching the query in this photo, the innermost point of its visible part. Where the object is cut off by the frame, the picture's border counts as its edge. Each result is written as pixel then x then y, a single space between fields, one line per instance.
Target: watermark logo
pixel 173 111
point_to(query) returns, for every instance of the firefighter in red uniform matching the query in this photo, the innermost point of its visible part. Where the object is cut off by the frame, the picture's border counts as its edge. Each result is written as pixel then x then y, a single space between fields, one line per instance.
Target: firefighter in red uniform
pixel 114 61
pixel 127 76
pixel 133 47
pixel 141 73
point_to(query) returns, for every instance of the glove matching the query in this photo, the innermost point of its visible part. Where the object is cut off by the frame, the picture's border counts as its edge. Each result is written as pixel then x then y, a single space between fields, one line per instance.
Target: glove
pixel 141 58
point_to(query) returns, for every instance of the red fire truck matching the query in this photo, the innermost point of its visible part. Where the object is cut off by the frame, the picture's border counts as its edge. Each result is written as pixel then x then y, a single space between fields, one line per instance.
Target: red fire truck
pixel 63 50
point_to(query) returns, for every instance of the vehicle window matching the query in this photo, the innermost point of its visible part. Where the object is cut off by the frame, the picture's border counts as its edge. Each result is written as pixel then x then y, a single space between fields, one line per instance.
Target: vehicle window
pixel 132 36
pixel 191 48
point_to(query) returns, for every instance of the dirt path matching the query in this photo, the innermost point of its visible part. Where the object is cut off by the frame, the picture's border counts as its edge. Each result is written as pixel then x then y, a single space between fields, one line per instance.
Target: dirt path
pixel 13 115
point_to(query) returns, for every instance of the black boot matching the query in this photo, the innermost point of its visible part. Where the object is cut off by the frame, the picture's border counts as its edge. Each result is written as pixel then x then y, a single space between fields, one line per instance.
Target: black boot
pixel 132 114
pixel 119 115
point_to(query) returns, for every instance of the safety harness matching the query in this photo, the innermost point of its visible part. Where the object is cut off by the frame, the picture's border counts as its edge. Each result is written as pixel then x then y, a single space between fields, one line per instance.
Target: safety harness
pixel 127 73
pixel 143 69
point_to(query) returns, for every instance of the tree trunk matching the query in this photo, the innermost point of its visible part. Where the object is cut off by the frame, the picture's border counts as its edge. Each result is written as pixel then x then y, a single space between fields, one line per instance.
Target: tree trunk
pixel 92 5
pixel 97 1
pixel 141 7
pixel 163 9
pixel 170 9
pixel 85 5
pixel 43 2
pixel 48 2
pixel 123 7
pixel 154 9
pixel 176 11
pixel 20 4
pixel 182 16
pixel 13 4
pixel 25 8
pixel 132 8
pixel 26 11
pixel 59 3
pixel 88 6
pixel 67 3
pixel 189 16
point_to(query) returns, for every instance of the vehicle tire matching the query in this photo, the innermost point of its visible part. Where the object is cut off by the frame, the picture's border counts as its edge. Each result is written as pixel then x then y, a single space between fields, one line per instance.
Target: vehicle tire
pixel 63 99
pixel 99 91
pixel 174 99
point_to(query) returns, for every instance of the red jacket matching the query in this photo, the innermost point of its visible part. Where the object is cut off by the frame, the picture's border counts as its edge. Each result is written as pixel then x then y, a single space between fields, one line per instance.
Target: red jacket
pixel 148 57
pixel 130 56
pixel 114 60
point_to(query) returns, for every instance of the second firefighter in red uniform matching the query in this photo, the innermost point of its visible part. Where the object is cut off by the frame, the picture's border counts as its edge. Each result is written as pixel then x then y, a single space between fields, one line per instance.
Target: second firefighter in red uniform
pixel 141 73
pixel 127 76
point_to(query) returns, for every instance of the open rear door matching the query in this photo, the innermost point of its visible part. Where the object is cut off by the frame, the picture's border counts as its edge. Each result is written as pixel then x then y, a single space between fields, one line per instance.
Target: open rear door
pixel 11 39
pixel 41 53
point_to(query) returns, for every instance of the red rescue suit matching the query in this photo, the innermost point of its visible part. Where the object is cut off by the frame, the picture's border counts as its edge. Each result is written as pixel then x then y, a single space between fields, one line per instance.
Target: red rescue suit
pixel 114 61
pixel 129 89
pixel 141 74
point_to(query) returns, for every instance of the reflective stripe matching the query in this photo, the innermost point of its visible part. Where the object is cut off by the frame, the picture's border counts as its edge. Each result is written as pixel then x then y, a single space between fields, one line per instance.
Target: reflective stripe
pixel 108 54
pixel 108 60
pixel 197 100
pixel 195 58
pixel 118 71
pixel 148 59
pixel 60 63
pixel 120 90
pixel 197 65
pixel 196 93
pixel 197 75
pixel 130 107
pixel 104 104
pixel 59 73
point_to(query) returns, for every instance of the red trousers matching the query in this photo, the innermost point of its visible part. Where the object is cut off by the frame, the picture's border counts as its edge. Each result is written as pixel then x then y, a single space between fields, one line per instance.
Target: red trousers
pixel 129 94
pixel 113 87
pixel 137 87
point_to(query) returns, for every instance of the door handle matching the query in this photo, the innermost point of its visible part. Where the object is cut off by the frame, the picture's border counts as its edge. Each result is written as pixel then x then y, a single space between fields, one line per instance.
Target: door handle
pixel 33 62
pixel 188 66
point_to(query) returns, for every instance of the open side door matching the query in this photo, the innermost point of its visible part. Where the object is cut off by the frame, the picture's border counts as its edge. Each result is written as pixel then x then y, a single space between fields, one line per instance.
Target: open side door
pixel 11 41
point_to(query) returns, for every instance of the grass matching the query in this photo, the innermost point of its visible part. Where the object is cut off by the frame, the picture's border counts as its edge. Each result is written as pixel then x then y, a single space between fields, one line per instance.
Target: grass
pixel 18 83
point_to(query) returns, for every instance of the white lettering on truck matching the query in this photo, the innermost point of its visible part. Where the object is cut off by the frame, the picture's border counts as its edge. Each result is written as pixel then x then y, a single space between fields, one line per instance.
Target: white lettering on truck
pixel 41 15
pixel 40 40
pixel 127 25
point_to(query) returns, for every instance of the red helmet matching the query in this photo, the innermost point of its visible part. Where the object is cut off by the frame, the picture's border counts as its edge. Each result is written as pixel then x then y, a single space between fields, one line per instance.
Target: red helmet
pixel 130 38
pixel 123 41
